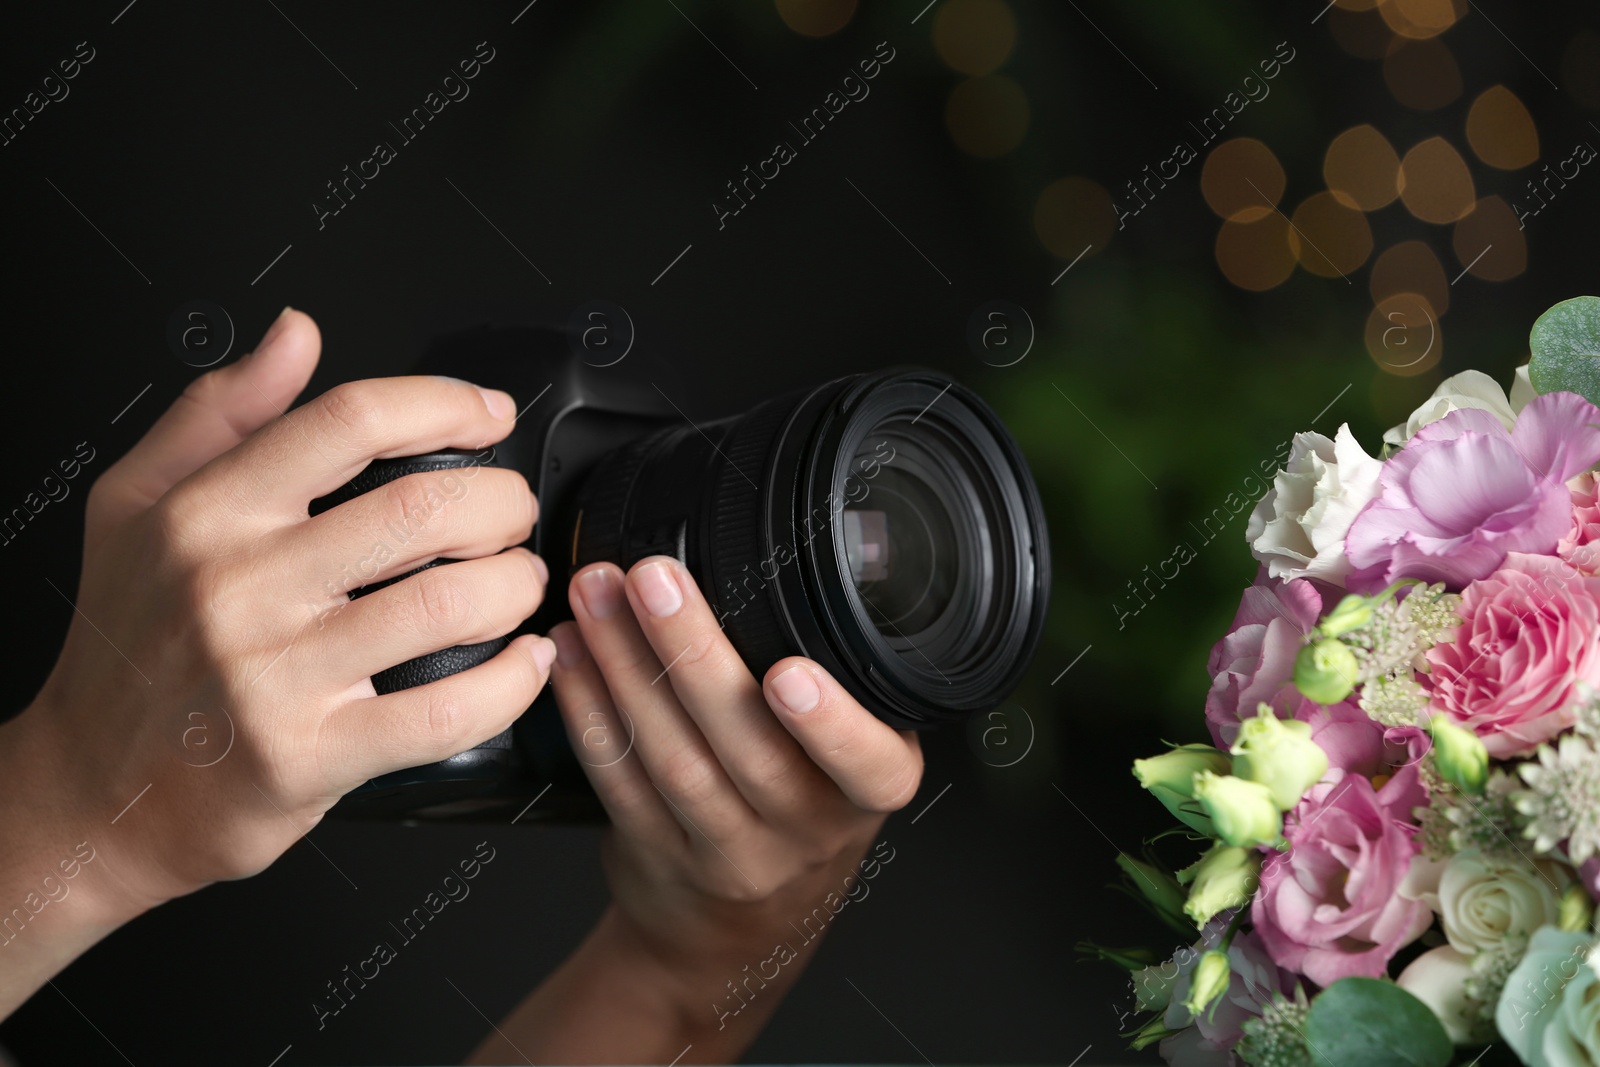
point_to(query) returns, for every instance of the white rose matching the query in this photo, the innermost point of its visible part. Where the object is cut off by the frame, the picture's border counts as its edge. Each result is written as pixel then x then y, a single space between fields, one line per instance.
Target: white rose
pixel 1438 978
pixel 1298 527
pixel 1522 389
pixel 1469 389
pixel 1482 902
pixel 1549 1012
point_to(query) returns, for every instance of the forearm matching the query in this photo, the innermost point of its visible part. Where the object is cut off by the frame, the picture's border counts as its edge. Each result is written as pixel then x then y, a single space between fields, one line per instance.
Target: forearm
pixel 58 892
pixel 614 1002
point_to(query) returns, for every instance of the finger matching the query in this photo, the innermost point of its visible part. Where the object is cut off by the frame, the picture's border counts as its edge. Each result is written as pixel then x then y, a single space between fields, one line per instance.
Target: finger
pixel 717 690
pixel 374 735
pixel 214 413
pixel 405 523
pixel 675 754
pixel 322 444
pixel 875 765
pixel 602 739
pixel 462 603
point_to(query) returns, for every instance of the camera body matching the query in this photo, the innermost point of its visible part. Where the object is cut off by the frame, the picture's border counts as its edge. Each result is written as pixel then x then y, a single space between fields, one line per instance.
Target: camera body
pixel 884 525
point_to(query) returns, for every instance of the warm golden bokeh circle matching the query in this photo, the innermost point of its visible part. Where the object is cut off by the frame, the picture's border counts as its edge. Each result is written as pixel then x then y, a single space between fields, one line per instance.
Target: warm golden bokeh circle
pixel 1410 267
pixel 1422 75
pixel 1488 242
pixel 974 36
pixel 816 18
pixel 1255 255
pixel 1072 214
pixel 1362 169
pixel 1329 238
pixel 1402 335
pixel 1421 18
pixel 1435 184
pixel 987 116
pixel 1500 130
pixel 1242 180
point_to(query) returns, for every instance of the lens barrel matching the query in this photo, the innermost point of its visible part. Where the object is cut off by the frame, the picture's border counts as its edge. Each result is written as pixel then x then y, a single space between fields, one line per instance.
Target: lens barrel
pixel 884 525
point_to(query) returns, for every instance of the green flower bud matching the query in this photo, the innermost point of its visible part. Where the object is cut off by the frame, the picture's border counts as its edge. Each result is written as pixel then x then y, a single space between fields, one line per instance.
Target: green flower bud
pixel 1279 754
pixel 1208 982
pixel 1148 1034
pixel 1351 613
pixel 1244 813
pixel 1459 755
pixel 1325 671
pixel 1170 776
pixel 1158 888
pixel 1577 910
pixel 1225 877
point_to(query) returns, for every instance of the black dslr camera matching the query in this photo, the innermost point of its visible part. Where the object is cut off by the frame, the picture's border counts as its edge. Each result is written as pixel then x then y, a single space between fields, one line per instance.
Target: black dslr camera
pixel 884 525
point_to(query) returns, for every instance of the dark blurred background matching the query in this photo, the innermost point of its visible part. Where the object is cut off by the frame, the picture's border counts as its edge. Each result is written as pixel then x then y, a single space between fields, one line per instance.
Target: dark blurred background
pixel 1345 236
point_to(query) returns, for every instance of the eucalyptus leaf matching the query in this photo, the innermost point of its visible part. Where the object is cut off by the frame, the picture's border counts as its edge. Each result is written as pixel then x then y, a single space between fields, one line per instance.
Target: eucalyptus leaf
pixel 1370 1022
pixel 1566 349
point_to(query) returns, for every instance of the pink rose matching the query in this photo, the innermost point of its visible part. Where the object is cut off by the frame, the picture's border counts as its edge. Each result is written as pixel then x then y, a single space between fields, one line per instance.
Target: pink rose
pixel 1464 492
pixel 1255 661
pixel 1330 907
pixel 1528 637
pixel 1581 546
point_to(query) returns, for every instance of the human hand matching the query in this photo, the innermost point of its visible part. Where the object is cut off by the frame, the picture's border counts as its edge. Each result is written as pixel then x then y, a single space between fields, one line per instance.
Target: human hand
pixel 210 598
pixel 739 807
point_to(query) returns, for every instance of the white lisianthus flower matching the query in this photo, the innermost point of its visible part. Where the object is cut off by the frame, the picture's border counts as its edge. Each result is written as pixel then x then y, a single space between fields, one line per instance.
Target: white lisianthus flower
pixel 1522 389
pixel 1549 1012
pixel 1484 902
pixel 1298 527
pixel 1469 389
pixel 1438 978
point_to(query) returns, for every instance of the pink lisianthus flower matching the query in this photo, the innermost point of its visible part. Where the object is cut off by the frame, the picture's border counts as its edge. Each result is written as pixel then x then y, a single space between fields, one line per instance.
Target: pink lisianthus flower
pixel 1464 492
pixel 1581 546
pixel 1253 981
pixel 1528 637
pixel 1330 907
pixel 1254 662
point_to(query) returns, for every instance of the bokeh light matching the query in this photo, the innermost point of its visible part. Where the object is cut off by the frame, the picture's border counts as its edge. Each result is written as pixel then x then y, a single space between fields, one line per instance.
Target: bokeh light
pixel 1488 242
pixel 1421 18
pixel 1242 180
pixel 1403 336
pixel 1435 183
pixel 987 116
pixel 1363 34
pixel 1362 169
pixel 1072 214
pixel 1410 267
pixel 816 18
pixel 974 36
pixel 1328 237
pixel 1501 131
pixel 1580 67
pixel 1255 255
pixel 1421 74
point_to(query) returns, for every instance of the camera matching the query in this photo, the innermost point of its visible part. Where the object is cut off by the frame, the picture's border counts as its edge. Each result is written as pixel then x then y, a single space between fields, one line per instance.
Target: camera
pixel 884 525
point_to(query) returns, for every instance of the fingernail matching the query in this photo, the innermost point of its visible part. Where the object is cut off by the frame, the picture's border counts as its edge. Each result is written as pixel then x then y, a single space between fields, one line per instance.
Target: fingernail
pixel 274 330
pixel 542 569
pixel 500 405
pixel 796 690
pixel 569 646
pixel 544 654
pixel 601 592
pixel 658 589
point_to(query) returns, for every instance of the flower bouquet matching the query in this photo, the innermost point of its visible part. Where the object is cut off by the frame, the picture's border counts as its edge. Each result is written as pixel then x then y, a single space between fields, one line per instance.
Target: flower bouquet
pixel 1399 809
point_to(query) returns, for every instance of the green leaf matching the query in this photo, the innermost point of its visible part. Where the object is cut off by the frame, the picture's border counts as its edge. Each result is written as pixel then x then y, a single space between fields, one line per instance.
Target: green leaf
pixel 1566 349
pixel 1371 1022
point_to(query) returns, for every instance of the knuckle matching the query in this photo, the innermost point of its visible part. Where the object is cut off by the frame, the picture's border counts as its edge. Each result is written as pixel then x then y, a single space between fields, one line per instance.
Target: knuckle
pixel 895 790
pixel 441 606
pixel 352 410
pixel 687 776
pixel 446 717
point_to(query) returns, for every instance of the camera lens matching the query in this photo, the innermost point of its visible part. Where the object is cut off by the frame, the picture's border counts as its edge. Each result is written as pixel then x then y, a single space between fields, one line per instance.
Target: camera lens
pixel 884 525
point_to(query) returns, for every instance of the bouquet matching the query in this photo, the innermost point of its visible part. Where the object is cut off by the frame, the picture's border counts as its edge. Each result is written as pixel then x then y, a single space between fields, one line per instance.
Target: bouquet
pixel 1398 816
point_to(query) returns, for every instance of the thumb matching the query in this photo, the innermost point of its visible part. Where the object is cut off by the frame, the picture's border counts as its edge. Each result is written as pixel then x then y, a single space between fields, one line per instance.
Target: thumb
pixel 215 412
